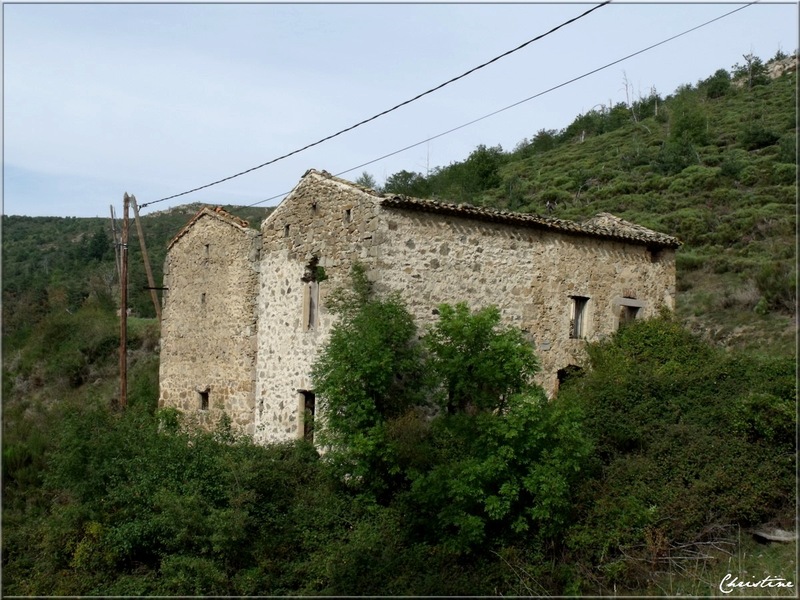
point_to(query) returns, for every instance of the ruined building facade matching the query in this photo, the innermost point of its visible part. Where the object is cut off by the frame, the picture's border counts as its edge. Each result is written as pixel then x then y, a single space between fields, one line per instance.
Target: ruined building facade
pixel 244 314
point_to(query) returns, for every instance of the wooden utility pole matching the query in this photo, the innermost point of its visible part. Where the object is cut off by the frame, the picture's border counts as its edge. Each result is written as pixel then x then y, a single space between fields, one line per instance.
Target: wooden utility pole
pixel 123 309
pixel 116 242
pixel 147 268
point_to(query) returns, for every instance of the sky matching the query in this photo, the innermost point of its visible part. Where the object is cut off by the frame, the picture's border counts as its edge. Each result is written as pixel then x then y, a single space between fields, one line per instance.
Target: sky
pixel 157 99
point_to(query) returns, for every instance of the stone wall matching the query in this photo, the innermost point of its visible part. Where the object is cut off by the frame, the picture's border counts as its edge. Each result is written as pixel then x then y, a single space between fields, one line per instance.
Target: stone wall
pixel 531 274
pixel 209 321
pixel 329 226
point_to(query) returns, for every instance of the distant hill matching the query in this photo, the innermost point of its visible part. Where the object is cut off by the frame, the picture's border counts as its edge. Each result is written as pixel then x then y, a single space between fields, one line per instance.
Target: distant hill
pixel 55 263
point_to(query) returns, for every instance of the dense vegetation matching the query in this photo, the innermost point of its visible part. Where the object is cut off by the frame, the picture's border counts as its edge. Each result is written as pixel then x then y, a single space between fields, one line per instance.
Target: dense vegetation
pixel 447 471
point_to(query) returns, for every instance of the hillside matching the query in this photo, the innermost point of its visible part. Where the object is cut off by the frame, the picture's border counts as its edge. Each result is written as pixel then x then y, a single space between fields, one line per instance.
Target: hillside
pixel 713 163
pixel 644 475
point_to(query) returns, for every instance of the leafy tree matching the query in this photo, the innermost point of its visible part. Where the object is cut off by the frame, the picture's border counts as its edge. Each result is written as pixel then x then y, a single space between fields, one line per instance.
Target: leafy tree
pixel 366 180
pixel 753 71
pixel 718 84
pixel 544 140
pixel 370 371
pixel 480 363
pixel 482 168
pixel 688 119
pixel 494 461
pixel 406 183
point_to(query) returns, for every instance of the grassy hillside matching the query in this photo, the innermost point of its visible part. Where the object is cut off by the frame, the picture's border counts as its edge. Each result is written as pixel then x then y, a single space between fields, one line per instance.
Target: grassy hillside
pixel 713 164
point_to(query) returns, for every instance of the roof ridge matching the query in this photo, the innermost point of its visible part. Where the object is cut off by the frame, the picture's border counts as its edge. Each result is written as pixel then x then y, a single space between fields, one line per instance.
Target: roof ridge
pixel 326 175
pixel 603 225
pixel 217 212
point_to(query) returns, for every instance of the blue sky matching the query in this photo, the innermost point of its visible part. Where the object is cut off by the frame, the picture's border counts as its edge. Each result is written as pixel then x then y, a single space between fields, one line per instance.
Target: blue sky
pixel 151 99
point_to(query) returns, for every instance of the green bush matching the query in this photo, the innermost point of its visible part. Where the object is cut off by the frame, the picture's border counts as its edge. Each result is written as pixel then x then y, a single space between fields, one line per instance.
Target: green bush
pixel 688 439
pixel 675 155
pixel 701 178
pixel 755 136
pixel 777 282
pixel 788 148
pixel 784 174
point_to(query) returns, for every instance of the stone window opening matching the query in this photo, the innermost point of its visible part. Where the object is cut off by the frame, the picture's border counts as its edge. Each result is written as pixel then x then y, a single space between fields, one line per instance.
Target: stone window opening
pixel 656 254
pixel 286 231
pixel 312 276
pixel 203 398
pixel 627 314
pixel 203 299
pixel 308 410
pixel 313 207
pixel 207 250
pixel 577 324
pixel 628 309
pixel 311 305
pixel 348 215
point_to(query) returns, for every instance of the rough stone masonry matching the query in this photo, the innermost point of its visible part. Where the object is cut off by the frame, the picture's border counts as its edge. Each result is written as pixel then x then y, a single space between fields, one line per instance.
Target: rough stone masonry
pixel 244 315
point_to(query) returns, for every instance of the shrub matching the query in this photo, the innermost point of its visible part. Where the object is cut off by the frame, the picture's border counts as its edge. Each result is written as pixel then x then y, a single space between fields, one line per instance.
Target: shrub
pixel 755 136
pixel 701 178
pixel 688 440
pixel 675 155
pixel 777 282
pixel 749 175
pixel 784 174
pixel 788 148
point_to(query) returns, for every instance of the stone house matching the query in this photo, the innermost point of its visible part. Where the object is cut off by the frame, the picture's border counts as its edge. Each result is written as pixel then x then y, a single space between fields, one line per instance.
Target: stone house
pixel 209 319
pixel 243 325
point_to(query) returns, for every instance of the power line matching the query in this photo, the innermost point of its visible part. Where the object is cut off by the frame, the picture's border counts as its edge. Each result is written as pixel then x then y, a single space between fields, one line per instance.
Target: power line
pixel 528 99
pixel 385 112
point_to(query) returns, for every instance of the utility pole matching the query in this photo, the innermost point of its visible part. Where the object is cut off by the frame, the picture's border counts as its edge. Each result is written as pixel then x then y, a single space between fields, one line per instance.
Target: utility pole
pixel 116 242
pixel 123 309
pixel 147 269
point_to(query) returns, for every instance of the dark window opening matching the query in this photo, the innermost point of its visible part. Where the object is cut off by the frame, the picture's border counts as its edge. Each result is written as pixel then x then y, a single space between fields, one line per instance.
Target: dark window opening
pixel 311 277
pixel 285 231
pixel 203 399
pixel 348 215
pixel 655 255
pixel 627 314
pixel 208 249
pixel 312 291
pixel 309 405
pixel 313 207
pixel 203 298
pixel 578 322
pixel 567 373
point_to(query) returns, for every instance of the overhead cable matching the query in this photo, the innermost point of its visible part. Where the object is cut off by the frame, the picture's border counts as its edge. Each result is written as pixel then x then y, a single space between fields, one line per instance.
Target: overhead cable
pixel 528 99
pixel 385 112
